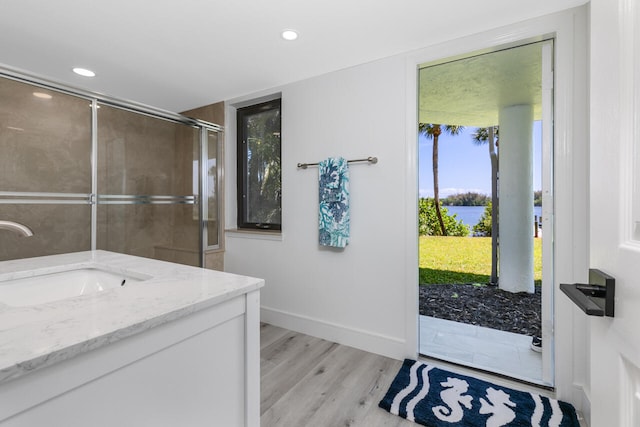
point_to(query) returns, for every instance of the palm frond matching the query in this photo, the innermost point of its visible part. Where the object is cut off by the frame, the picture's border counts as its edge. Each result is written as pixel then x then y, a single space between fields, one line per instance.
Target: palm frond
pixel 431 129
pixel 453 129
pixel 481 135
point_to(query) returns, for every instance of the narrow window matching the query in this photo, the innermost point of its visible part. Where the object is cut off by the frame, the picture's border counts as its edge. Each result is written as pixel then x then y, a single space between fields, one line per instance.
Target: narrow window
pixel 259 171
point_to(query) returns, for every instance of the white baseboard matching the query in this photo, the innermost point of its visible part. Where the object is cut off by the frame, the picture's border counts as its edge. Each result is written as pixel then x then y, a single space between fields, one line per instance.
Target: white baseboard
pixel 394 348
pixel 582 404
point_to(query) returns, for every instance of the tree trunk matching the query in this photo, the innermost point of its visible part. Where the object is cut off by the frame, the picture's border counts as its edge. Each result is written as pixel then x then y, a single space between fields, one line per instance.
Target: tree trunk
pixel 494 208
pixel 436 196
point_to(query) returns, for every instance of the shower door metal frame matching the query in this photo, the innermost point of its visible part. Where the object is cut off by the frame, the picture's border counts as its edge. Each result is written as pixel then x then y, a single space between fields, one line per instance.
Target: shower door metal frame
pixel 95 198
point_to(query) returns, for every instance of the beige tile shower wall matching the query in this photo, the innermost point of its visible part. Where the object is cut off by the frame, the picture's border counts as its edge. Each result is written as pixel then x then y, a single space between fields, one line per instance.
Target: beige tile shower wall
pixel 45 146
pixel 213 113
pixel 135 153
pixel 214 260
pixel 45 140
pixel 56 229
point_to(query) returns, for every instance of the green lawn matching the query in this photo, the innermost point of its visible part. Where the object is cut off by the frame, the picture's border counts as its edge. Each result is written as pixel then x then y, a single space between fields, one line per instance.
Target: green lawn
pixel 463 259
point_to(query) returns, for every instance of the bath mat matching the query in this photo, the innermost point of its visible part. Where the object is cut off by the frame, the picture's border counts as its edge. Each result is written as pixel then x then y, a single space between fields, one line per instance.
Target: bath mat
pixel 434 397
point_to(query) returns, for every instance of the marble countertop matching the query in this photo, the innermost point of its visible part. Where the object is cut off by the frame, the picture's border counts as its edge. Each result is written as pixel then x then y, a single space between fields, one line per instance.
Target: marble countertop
pixel 34 337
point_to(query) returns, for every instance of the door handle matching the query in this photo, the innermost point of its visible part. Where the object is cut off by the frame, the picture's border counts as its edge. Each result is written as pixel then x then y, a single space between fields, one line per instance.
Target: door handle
pixel 596 298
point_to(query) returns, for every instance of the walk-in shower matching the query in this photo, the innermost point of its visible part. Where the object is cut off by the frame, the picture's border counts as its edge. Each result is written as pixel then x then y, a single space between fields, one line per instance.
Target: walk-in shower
pixel 90 172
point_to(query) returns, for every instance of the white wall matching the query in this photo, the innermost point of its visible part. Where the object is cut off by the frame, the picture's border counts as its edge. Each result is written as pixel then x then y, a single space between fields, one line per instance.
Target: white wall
pixel 366 296
pixel 357 293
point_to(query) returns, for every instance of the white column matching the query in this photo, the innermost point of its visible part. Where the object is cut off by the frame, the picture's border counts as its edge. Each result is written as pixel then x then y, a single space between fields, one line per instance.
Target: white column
pixel 516 199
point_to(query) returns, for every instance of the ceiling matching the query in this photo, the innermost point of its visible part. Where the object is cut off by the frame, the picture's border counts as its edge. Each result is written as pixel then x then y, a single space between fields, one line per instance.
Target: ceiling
pixel 472 91
pixel 179 55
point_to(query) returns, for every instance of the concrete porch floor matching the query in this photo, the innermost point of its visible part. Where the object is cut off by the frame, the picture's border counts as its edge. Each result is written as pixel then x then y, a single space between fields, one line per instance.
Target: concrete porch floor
pixel 488 349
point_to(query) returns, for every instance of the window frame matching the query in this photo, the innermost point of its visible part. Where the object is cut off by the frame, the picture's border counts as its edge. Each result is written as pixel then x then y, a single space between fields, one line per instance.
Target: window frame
pixel 242 160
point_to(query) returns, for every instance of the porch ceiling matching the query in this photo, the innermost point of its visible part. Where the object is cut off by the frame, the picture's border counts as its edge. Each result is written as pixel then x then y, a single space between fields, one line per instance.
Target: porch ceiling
pixel 471 91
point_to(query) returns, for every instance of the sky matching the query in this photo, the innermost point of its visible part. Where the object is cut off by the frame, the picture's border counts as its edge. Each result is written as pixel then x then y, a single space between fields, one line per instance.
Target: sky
pixel 464 166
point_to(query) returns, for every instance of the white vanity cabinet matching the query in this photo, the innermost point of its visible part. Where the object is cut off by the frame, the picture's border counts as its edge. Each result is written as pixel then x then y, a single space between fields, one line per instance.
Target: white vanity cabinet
pixel 198 367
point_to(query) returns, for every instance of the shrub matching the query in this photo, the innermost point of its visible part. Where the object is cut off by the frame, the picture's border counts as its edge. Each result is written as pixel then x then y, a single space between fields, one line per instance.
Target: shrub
pixel 483 227
pixel 428 224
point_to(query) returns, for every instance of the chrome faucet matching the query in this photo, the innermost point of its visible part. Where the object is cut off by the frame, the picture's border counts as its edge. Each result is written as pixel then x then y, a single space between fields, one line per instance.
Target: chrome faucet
pixel 17 227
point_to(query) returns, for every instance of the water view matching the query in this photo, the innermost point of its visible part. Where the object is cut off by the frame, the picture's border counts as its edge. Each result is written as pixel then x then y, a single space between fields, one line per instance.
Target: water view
pixel 470 215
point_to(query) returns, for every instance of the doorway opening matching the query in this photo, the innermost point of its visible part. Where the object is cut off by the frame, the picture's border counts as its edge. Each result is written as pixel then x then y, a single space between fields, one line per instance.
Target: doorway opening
pixel 485 156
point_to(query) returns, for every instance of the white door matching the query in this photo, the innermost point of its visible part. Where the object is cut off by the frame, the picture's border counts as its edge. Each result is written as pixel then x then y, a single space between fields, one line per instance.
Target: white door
pixel 615 209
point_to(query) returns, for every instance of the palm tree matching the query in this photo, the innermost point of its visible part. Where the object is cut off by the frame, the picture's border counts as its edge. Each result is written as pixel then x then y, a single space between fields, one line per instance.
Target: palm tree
pixel 433 131
pixel 482 136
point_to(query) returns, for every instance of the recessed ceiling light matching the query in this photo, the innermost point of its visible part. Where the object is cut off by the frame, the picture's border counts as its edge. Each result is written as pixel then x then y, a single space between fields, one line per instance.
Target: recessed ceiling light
pixel 290 35
pixel 84 72
pixel 42 95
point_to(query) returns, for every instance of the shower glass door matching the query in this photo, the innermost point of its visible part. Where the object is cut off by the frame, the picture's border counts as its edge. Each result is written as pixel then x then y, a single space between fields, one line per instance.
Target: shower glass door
pixel 147 186
pixel 86 172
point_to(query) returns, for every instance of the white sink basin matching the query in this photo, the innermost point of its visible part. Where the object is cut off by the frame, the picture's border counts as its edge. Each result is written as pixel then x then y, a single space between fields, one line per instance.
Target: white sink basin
pixel 48 287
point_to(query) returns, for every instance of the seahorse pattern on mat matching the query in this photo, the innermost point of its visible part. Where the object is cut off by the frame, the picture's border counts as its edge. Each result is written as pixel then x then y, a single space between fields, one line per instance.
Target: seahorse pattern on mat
pixel 436 397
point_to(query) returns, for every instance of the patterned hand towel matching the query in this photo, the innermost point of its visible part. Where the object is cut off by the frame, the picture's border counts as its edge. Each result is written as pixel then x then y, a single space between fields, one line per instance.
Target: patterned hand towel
pixel 333 217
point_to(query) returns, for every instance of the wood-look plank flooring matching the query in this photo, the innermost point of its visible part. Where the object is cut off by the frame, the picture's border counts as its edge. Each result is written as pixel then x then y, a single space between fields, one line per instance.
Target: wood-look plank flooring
pixel 307 381
pixel 310 382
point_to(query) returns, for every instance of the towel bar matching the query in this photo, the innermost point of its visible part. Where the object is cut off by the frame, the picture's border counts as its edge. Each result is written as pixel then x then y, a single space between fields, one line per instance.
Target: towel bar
pixel 372 160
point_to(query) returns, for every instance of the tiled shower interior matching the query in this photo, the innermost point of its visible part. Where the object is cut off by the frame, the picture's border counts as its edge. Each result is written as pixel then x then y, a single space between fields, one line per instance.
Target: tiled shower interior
pixel 85 173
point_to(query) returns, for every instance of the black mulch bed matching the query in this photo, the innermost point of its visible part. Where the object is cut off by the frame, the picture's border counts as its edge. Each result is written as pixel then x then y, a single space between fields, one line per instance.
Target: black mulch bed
pixel 483 305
